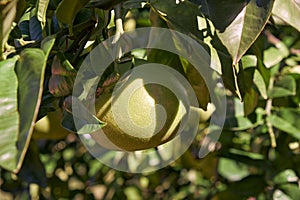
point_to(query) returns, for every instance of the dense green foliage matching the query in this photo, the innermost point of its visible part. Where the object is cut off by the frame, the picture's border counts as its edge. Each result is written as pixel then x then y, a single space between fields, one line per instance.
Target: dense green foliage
pixel 254 45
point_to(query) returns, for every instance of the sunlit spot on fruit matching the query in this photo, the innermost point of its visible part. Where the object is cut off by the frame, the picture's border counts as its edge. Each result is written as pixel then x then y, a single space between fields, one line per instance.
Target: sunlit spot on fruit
pixel 144 118
pixel 135 103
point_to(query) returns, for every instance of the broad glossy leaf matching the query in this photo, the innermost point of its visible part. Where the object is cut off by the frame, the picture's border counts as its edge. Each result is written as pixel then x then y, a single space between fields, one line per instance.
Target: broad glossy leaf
pixel 238 22
pixel 233 77
pixel 9 117
pixel 30 70
pixel 42 6
pixel 286 86
pixel 192 23
pixel 182 15
pixel 199 86
pixel 129 4
pixel 35 27
pixel 21 7
pixel 23 25
pixel 33 170
pixel 161 56
pixel 67 10
pixel 106 4
pixel 47 44
pixel 179 64
pixel 288 11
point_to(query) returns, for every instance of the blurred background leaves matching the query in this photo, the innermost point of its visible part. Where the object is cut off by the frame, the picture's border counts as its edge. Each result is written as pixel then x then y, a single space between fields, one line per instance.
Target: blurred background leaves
pixel 254 45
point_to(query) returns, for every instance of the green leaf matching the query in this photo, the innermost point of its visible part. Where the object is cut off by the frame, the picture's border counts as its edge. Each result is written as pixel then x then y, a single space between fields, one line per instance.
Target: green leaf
pixel 42 6
pixel 132 192
pixel 179 64
pixel 106 4
pixel 87 122
pixel 292 190
pixel 264 71
pixel 260 84
pixel 8 11
pixel 23 25
pixel 35 28
pixel 233 78
pixel 275 54
pixel 238 23
pixel 30 70
pixel 232 170
pixel 9 118
pixel 199 86
pixel 249 61
pixel 129 4
pixel 21 7
pixel 284 125
pixel 68 122
pixel 290 114
pixel 63 75
pixel 192 23
pixel 286 86
pixel 47 44
pixel 227 195
pixel 279 195
pixel 250 101
pixel 186 17
pixel 235 119
pixel 250 186
pixel 250 155
pixel 179 15
pixel 288 11
pixel 238 123
pixel 60 86
pixel 67 10
pixel 286 176
pixel 33 170
pixel 248 158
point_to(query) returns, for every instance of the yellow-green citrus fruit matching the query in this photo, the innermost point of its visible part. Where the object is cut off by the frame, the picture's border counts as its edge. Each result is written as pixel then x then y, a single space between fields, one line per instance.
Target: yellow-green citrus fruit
pixel 141 118
pixel 49 127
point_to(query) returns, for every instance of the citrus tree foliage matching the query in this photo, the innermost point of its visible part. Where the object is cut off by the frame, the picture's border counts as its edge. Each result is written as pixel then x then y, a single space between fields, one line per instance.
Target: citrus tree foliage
pixel 254 45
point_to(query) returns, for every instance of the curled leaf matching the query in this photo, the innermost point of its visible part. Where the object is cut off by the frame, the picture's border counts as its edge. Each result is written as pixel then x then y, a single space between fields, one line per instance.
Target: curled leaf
pixel 61 66
pixel 61 85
